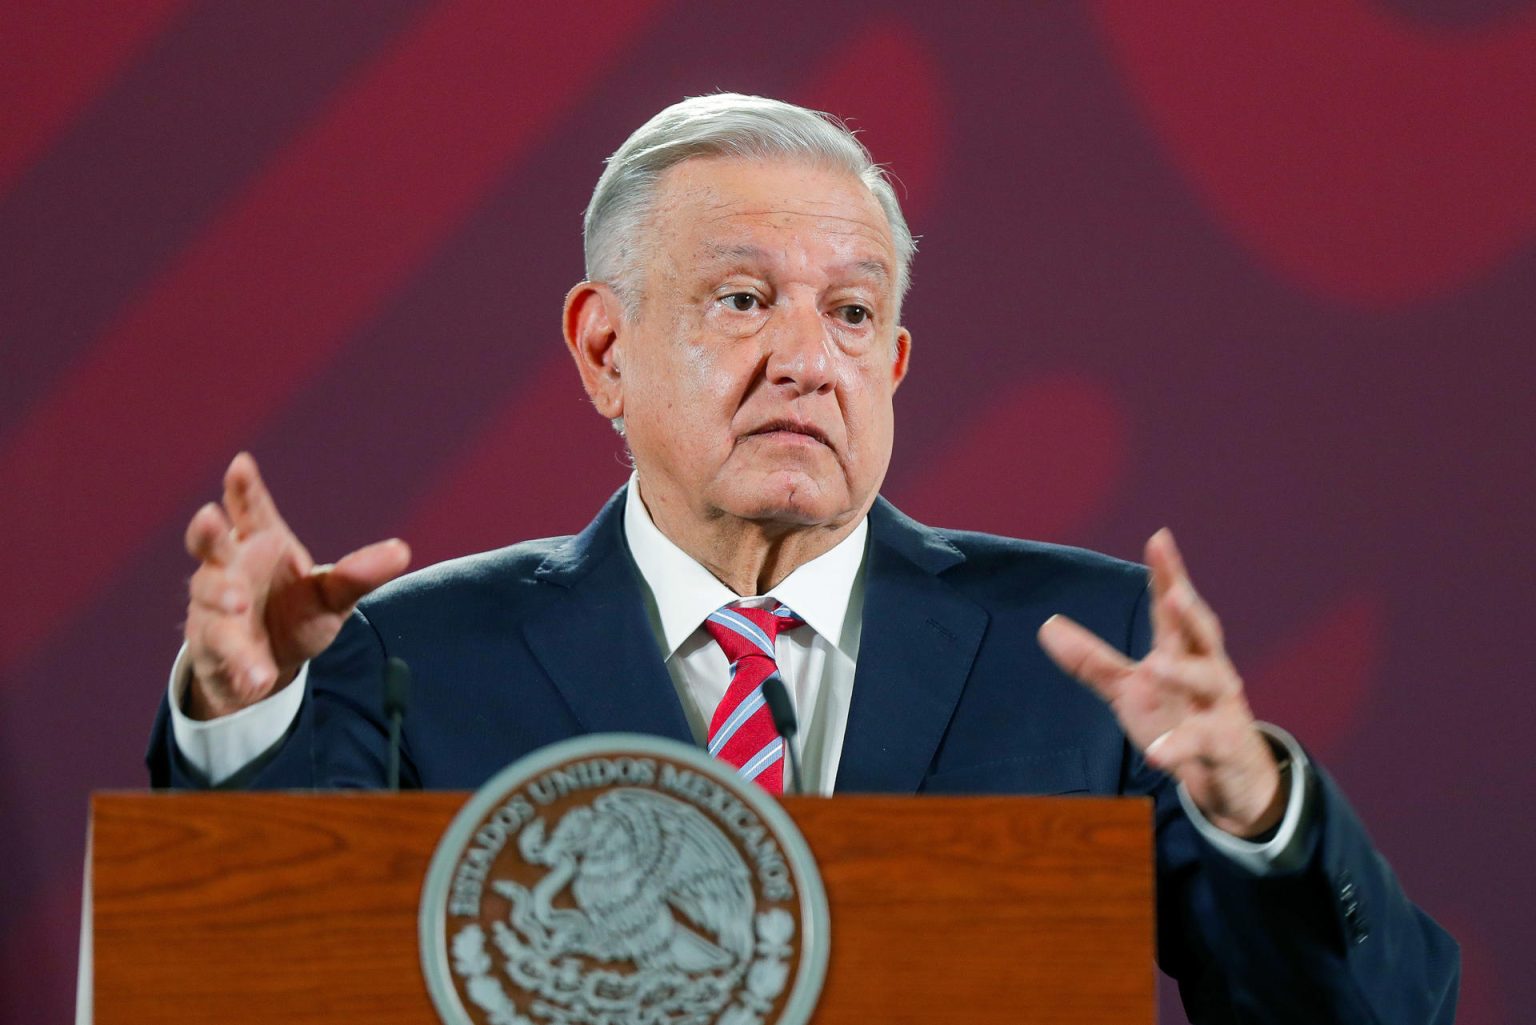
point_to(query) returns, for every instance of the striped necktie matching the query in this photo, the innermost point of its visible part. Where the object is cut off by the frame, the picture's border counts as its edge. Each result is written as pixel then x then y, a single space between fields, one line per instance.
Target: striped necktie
pixel 741 731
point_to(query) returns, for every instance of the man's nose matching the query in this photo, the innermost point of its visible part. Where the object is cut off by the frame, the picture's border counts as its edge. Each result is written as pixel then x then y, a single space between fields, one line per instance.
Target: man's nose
pixel 800 353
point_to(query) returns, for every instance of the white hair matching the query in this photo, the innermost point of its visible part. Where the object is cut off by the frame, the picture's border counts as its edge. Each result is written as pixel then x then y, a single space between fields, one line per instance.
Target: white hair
pixel 720 125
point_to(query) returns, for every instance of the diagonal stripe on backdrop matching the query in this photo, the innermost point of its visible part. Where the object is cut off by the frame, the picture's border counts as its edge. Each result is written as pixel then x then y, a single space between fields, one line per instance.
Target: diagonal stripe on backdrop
pixel 270 292
pixel 1319 680
pixel 1072 436
pixel 139 173
pixel 540 467
pixel 55 57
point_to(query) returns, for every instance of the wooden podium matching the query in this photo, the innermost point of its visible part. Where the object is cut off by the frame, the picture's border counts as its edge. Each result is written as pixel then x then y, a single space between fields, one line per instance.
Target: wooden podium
pixel 234 908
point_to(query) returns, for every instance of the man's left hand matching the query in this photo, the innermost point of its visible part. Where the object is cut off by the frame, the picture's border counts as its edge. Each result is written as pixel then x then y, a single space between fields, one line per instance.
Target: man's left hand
pixel 1182 704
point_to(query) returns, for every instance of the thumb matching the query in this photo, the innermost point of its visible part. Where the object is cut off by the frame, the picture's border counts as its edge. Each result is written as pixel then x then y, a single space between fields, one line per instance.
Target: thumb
pixel 343 584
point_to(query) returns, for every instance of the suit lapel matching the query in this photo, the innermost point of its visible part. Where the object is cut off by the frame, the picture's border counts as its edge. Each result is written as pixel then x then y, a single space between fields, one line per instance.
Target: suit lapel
pixel 918 644
pixel 596 642
pixel 917 647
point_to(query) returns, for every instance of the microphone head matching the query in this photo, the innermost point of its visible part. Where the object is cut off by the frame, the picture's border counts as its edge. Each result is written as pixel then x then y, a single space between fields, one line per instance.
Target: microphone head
pixel 397 686
pixel 776 696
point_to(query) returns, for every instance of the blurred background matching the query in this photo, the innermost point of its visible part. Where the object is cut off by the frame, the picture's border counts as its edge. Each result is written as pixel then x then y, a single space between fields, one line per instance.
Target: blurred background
pixel 1262 272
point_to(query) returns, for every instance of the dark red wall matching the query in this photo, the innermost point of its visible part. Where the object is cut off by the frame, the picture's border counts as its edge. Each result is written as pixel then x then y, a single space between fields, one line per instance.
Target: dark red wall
pixel 1263 272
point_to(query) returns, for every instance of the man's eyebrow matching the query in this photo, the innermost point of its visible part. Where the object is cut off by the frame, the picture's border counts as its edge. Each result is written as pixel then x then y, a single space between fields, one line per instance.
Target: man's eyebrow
pixel 746 253
pixel 873 268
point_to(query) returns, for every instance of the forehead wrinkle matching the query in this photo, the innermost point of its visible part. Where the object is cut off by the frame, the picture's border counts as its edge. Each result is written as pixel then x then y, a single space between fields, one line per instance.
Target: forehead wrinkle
pixel 681 187
pixel 725 252
pixel 733 210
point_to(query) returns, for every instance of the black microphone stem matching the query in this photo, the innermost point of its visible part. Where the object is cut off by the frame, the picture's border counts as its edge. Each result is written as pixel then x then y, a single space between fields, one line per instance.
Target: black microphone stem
pixel 776 697
pixel 397 695
pixel 794 766
pixel 394 752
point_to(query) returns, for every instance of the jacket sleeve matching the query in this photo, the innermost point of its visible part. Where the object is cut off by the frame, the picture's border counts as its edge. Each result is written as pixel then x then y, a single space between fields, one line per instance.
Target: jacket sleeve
pixel 338 740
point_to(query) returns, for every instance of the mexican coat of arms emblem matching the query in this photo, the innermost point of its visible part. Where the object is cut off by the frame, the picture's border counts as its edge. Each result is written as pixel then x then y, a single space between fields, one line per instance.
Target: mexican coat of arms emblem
pixel 623 880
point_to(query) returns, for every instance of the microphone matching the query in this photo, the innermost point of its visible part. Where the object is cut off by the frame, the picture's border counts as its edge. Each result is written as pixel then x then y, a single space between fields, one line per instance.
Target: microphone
pixel 777 698
pixel 397 695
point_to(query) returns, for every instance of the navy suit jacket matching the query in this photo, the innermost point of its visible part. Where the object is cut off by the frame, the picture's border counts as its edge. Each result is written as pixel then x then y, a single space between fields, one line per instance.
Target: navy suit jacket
pixel 518 648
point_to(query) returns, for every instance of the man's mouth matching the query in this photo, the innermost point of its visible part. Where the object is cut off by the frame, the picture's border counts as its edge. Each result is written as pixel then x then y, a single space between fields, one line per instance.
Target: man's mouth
pixel 790 427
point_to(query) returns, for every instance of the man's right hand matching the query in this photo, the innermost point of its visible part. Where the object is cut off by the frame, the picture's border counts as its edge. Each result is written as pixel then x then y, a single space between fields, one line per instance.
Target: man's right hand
pixel 259 607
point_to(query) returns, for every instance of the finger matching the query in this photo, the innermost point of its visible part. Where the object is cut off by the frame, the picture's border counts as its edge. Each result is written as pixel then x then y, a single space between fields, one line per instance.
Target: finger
pixel 225 656
pixel 1167 554
pixel 219 590
pixel 1203 680
pixel 250 504
pixel 1163 577
pixel 208 536
pixel 226 664
pixel 1221 733
pixel 1187 743
pixel 355 574
pixel 1083 655
pixel 1178 611
pixel 1187 617
pixel 1163 557
pixel 1168 575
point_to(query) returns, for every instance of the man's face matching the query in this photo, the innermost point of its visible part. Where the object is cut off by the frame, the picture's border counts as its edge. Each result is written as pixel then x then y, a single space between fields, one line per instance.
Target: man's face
pixel 755 379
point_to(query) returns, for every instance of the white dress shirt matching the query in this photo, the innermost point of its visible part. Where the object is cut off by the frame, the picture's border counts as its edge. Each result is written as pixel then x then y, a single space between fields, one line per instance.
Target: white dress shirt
pixel 816 661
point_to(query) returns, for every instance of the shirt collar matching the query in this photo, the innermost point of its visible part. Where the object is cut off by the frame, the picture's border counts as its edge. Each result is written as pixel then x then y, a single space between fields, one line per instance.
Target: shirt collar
pixel 685 593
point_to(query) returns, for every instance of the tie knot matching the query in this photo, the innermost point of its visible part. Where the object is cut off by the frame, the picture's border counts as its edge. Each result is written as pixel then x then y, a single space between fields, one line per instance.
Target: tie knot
pixel 741 631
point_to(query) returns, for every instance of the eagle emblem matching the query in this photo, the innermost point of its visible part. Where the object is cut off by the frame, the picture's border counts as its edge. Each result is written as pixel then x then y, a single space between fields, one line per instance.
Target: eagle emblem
pixel 622 891
pixel 653 881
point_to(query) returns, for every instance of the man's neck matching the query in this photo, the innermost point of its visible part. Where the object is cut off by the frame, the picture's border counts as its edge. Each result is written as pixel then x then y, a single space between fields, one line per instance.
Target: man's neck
pixel 750 557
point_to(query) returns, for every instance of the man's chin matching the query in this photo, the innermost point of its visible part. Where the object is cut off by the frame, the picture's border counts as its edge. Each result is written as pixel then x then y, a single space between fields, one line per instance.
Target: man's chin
pixel 791 501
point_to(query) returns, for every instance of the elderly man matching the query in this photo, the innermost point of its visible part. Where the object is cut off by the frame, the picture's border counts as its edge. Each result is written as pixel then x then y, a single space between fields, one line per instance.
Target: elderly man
pixel 741 326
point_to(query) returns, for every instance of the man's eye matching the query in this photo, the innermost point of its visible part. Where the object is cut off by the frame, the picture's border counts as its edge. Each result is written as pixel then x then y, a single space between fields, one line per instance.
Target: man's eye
pixel 855 314
pixel 742 302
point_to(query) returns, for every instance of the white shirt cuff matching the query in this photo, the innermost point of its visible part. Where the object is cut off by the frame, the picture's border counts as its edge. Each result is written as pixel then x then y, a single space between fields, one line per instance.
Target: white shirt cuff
pixel 1285 849
pixel 219 748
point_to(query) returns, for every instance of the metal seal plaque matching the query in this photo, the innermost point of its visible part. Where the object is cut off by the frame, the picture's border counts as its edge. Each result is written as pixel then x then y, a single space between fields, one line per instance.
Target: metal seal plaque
pixel 620 879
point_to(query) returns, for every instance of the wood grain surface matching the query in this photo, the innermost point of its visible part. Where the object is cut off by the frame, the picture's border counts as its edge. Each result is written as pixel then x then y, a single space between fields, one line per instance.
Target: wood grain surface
pixel 235 908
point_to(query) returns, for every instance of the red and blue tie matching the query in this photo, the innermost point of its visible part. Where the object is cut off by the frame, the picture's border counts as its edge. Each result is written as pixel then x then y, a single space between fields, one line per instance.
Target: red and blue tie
pixel 741 732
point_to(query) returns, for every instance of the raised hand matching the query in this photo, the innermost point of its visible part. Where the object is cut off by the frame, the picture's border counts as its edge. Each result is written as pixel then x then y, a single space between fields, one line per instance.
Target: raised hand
pixel 258 605
pixel 1182 704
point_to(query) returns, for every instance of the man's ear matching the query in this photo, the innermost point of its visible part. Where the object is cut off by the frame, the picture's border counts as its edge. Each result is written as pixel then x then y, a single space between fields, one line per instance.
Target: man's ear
pixel 593 323
pixel 903 355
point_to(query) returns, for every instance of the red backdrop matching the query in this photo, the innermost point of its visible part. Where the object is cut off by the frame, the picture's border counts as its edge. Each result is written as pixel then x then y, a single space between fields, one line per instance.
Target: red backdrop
pixel 1262 272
